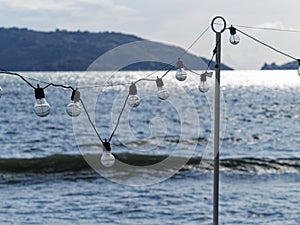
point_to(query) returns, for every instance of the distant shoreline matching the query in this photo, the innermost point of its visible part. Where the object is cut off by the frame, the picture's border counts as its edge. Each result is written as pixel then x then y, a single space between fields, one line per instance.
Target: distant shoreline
pixel 29 50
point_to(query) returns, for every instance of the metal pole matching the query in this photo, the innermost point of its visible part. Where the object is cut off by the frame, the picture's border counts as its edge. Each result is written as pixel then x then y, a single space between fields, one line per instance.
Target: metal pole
pixel 217 51
pixel 217 129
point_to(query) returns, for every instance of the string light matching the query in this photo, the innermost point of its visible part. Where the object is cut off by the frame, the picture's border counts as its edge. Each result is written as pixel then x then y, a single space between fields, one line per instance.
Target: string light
pixel 133 99
pixel 162 92
pixel 234 38
pixel 73 108
pixel 180 73
pixel 41 106
pixel 203 86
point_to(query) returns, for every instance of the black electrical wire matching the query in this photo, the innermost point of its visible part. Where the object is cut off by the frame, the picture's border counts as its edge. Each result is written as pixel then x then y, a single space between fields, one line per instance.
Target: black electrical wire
pixel 213 55
pixel 119 118
pixel 165 74
pixel 20 76
pixel 59 85
pixel 267 45
pixel 36 80
pixel 91 122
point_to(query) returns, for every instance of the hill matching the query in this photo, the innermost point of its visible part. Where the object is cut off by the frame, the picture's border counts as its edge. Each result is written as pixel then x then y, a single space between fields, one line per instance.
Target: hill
pixel 287 66
pixel 60 50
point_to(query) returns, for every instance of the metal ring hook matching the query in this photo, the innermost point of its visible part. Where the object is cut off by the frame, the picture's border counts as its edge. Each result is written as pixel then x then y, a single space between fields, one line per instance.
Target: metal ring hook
pixel 213 23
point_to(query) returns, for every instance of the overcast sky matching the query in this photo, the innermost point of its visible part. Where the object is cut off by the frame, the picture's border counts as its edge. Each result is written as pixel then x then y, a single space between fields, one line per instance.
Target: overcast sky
pixel 177 22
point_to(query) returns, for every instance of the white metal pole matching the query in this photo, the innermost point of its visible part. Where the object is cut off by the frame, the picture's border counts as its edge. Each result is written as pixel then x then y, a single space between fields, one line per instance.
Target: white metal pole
pixel 217 51
pixel 217 129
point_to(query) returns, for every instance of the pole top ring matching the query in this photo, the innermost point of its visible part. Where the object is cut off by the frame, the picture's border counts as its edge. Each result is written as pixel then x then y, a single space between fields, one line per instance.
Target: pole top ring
pixel 223 22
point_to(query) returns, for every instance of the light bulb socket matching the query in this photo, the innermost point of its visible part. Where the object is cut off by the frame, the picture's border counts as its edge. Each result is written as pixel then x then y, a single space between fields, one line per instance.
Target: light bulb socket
pixel 203 77
pixel 132 89
pixel 39 93
pixel 159 82
pixel 75 96
pixel 179 64
pixel 232 30
pixel 106 146
pixel 298 62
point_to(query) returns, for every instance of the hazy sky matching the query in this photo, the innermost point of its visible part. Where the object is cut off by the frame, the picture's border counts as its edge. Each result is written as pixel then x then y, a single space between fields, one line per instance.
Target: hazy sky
pixel 177 22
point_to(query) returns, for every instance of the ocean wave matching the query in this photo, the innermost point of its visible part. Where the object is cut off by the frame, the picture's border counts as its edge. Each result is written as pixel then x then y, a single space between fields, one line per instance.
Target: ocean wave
pixel 77 163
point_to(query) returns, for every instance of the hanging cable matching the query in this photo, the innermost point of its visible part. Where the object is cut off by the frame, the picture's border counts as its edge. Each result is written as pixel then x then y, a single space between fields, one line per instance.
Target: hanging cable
pixel 167 72
pixel 119 117
pixel 208 64
pixel 268 28
pixel 213 55
pixel 103 86
pixel 265 28
pixel 195 41
pixel 90 121
pixel 267 45
pixel 143 79
pixel 59 85
pixel 20 76
pixel 183 54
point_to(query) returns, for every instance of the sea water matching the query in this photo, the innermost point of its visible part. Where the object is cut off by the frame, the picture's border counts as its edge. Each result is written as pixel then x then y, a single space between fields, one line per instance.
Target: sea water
pixel 51 172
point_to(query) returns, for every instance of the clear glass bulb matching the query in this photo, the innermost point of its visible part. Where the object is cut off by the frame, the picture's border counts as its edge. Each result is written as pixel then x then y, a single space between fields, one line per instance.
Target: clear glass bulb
pixel 107 159
pixel 181 74
pixel 163 93
pixel 203 86
pixel 41 107
pixel 234 39
pixel 73 109
pixel 1 92
pixel 134 100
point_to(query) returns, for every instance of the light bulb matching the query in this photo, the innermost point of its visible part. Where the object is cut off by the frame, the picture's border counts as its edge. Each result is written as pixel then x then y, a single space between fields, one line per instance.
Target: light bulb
pixel 234 39
pixel 73 108
pixel 162 92
pixel 107 159
pixel 1 92
pixel 41 107
pixel 298 66
pixel 180 73
pixel 133 99
pixel 203 86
